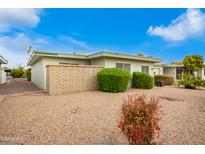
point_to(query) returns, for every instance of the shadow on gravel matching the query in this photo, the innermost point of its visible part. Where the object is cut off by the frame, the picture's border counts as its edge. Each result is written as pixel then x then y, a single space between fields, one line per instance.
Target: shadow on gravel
pixel 170 98
pixel 17 86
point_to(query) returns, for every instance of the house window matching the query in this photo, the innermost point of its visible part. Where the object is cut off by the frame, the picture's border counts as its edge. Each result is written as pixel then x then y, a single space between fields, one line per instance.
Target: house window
pixel 123 66
pixel 180 71
pixel 119 65
pixel 145 69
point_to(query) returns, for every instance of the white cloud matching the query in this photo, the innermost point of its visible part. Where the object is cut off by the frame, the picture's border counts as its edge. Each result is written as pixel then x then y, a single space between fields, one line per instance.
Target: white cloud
pixel 75 34
pixel 14 58
pixel 13 48
pixel 14 42
pixel 188 25
pixel 18 18
pixel 74 42
pixel 41 41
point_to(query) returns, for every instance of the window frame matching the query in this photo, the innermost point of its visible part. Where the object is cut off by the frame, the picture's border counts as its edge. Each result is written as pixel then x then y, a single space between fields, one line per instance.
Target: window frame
pixel 123 66
pixel 119 64
pixel 143 69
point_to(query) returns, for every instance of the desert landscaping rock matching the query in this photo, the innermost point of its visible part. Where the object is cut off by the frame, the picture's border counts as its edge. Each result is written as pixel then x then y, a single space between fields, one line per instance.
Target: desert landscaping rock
pixel 30 116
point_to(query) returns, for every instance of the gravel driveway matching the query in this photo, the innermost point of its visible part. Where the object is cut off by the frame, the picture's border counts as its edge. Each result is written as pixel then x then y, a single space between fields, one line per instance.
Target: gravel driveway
pixel 32 117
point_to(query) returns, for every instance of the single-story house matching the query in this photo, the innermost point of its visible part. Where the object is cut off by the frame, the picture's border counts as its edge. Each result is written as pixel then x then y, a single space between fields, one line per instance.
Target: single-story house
pixel 2 73
pixel 133 63
pixel 7 70
pixel 176 70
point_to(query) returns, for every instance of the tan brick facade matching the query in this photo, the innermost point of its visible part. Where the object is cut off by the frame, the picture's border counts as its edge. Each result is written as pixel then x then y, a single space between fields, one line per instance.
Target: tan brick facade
pixel 62 79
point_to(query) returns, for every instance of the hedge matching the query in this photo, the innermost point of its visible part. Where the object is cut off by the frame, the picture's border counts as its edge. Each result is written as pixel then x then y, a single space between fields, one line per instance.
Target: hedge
pixel 142 80
pixel 169 80
pixel 113 80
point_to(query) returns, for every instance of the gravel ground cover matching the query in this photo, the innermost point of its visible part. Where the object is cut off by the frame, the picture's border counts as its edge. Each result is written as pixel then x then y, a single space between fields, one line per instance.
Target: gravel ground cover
pixel 16 86
pixel 30 116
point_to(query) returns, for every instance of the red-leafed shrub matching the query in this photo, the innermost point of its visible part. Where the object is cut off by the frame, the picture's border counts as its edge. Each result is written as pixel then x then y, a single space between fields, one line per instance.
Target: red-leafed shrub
pixel 139 121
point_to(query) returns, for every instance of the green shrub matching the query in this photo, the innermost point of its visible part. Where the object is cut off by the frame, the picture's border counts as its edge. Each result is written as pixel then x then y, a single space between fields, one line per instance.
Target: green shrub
pixel 190 81
pixel 139 120
pixel 168 80
pixel 203 83
pixel 18 72
pixel 142 80
pixel 28 74
pixel 113 80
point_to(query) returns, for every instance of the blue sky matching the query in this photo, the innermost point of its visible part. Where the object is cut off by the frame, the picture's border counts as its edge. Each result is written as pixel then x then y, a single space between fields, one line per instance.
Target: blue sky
pixel 169 34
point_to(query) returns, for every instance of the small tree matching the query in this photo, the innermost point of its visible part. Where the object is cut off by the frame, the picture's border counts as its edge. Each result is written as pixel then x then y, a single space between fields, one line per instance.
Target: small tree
pixel 193 63
pixel 140 121
pixel 18 72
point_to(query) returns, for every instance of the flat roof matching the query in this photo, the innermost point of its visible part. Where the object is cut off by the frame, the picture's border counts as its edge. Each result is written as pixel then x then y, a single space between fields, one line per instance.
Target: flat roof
pixel 6 68
pixel 3 60
pixel 124 56
pixel 170 65
pixel 38 54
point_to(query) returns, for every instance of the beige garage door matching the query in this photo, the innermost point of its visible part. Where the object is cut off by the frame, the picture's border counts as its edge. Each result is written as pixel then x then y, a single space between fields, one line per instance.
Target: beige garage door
pixel 62 79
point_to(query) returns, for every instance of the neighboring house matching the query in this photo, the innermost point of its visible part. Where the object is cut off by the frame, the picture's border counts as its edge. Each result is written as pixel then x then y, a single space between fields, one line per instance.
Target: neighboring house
pixel 157 69
pixel 7 71
pixel 176 71
pixel 132 63
pixel 201 73
pixel 2 73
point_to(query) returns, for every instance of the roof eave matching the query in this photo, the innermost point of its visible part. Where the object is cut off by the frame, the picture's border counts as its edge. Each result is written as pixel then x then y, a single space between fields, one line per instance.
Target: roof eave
pixel 37 54
pixel 102 54
pixel 3 60
pixel 165 65
pixel 29 61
